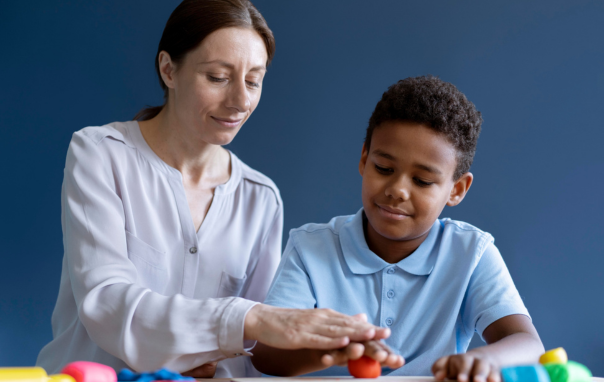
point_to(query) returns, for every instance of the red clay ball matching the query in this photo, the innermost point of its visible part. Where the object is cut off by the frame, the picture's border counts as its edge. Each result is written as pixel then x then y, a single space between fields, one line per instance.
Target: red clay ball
pixel 364 367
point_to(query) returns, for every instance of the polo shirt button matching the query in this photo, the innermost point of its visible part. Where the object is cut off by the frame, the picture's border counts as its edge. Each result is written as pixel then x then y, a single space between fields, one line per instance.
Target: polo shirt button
pixel 390 293
pixel 193 250
pixel 391 270
pixel 389 321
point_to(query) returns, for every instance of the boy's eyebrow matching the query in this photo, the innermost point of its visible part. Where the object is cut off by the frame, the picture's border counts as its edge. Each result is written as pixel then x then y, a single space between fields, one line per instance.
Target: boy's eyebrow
pixel 383 154
pixel 427 168
pixel 424 167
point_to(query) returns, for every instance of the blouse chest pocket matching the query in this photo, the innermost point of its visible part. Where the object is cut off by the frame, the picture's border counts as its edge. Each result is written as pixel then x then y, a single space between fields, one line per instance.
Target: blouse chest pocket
pixel 151 264
pixel 230 286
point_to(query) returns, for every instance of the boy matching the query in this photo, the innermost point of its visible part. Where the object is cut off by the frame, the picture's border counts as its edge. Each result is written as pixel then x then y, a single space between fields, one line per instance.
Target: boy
pixel 433 282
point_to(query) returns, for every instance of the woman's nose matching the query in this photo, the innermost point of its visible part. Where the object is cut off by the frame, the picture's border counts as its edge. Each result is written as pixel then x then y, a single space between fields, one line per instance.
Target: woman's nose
pixel 238 96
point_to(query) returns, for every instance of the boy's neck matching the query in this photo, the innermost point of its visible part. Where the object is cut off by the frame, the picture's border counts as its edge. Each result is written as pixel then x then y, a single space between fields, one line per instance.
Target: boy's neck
pixel 391 251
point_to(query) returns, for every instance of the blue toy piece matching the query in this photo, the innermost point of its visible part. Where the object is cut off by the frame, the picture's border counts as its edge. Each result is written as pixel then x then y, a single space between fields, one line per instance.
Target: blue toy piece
pixel 159 375
pixel 525 373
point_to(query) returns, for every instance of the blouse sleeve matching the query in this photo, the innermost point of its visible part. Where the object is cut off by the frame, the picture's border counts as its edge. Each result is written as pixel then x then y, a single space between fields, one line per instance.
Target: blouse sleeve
pixel 143 328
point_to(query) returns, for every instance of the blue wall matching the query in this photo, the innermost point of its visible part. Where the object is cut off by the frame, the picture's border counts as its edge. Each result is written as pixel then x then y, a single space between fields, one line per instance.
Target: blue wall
pixel 535 70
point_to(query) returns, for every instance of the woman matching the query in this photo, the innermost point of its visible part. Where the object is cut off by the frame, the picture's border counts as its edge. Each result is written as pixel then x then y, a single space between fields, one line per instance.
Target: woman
pixel 170 240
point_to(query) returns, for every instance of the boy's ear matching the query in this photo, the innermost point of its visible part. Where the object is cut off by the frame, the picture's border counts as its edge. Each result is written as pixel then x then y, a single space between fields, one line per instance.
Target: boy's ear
pixel 363 160
pixel 460 189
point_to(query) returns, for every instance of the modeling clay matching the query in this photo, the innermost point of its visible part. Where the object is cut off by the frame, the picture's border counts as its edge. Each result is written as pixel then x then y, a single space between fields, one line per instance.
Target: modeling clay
pixel 31 374
pixel 364 367
pixel 568 372
pixel 84 371
pixel 525 373
pixel 557 355
pixel 159 375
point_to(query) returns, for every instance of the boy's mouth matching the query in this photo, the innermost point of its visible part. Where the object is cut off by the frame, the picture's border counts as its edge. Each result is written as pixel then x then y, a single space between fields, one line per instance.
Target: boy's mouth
pixel 392 212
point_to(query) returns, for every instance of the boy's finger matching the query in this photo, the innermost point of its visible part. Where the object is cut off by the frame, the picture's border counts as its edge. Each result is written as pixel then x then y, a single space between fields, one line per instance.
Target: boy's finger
pixel 355 350
pixel 460 367
pixel 374 350
pixel 439 369
pixel 494 375
pixel 394 361
pixel 480 370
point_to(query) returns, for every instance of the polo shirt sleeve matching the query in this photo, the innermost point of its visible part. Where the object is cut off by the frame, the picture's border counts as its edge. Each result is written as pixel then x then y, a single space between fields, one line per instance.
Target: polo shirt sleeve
pixel 292 287
pixel 491 293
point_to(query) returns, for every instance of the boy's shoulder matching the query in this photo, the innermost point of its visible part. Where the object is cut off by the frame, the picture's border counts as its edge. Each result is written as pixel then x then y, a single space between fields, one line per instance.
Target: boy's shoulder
pixel 464 233
pixel 329 229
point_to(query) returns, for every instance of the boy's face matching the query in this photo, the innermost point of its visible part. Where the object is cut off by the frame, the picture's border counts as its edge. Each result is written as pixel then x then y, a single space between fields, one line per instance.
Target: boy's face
pixel 408 180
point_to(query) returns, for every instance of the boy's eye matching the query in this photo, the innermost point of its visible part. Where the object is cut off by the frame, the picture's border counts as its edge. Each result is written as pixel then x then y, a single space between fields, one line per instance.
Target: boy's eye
pixel 422 183
pixel 383 170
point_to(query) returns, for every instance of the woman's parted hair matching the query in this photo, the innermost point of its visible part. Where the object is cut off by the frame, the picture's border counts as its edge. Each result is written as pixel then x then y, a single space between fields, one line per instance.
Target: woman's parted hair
pixel 193 20
pixel 437 104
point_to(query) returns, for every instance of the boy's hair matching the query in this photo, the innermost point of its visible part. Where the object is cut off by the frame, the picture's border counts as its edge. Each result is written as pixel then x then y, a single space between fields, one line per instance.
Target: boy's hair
pixel 437 104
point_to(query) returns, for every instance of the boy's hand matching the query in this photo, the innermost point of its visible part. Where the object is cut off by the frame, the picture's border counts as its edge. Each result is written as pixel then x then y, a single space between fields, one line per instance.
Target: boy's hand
pixel 375 349
pixel 466 367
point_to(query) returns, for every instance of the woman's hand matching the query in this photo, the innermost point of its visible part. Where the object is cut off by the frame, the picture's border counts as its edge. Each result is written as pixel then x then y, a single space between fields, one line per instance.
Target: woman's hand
pixel 375 349
pixel 466 367
pixel 204 371
pixel 308 328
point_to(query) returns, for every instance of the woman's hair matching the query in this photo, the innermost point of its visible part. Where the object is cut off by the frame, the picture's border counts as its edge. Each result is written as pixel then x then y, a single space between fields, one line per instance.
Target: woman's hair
pixel 192 21
pixel 437 104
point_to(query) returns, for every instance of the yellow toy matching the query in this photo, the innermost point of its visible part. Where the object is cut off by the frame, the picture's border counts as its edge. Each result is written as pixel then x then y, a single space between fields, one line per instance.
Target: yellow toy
pixel 31 374
pixel 557 355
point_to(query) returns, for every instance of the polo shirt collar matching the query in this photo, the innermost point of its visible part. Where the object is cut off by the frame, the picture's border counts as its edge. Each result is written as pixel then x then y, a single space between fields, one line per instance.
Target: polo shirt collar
pixel 361 260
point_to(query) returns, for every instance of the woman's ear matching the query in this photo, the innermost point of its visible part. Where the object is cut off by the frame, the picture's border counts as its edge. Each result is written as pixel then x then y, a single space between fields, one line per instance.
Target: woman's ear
pixel 460 189
pixel 363 160
pixel 166 68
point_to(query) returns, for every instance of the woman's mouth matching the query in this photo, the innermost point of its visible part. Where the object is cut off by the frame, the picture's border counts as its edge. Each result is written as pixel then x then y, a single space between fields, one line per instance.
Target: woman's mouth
pixel 227 122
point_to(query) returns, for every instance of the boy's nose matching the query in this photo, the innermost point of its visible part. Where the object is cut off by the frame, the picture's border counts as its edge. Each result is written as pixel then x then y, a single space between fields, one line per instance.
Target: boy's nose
pixel 398 190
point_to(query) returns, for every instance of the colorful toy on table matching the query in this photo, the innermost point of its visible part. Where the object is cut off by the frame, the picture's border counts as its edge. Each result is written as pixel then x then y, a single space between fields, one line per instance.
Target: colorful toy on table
pixel 84 371
pixel 553 366
pixel 31 374
pixel 159 375
pixel 364 367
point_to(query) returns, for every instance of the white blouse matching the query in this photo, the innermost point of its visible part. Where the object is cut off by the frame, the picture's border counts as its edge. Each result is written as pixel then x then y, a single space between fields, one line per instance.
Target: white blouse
pixel 139 287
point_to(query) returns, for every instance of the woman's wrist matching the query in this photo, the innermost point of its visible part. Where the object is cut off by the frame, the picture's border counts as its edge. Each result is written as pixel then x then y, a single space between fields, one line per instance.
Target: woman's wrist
pixel 251 322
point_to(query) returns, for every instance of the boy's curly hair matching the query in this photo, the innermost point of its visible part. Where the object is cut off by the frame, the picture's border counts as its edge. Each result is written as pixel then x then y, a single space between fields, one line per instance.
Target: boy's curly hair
pixel 436 104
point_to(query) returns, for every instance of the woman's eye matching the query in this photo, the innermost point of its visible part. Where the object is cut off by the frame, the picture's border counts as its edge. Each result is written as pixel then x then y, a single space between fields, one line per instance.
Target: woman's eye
pixel 253 84
pixel 383 170
pixel 216 79
pixel 422 183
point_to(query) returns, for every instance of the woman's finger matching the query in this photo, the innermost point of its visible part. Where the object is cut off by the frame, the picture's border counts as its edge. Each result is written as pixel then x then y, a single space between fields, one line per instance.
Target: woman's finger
pixel 494 375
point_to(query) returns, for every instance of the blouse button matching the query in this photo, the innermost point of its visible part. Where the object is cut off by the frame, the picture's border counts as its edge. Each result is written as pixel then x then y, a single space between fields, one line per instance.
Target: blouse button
pixel 193 250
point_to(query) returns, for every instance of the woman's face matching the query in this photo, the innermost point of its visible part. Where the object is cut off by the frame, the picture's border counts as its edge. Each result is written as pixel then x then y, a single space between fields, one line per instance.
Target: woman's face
pixel 217 86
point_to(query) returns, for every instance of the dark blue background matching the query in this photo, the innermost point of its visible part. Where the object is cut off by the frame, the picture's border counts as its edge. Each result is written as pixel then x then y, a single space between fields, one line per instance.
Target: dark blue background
pixel 535 70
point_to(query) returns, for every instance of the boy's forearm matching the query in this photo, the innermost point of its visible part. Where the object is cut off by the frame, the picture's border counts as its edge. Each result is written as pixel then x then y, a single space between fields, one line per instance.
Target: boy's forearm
pixel 517 348
pixel 286 363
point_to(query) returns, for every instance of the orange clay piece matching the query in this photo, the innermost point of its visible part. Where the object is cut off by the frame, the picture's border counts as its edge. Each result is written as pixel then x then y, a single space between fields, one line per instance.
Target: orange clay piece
pixel 364 367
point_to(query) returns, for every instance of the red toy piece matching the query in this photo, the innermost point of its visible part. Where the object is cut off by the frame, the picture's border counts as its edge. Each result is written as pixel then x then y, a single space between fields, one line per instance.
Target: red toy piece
pixel 84 371
pixel 364 367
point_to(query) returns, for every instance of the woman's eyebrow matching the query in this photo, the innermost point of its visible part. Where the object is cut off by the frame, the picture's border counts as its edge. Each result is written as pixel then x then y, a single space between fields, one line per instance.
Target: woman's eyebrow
pixel 231 66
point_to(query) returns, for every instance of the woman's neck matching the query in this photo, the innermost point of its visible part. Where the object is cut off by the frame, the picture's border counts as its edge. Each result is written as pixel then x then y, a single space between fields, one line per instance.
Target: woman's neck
pixel 174 144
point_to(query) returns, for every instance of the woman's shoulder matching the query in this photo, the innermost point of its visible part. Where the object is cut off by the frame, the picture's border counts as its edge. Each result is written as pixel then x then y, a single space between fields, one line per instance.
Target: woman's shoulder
pixel 117 131
pixel 255 179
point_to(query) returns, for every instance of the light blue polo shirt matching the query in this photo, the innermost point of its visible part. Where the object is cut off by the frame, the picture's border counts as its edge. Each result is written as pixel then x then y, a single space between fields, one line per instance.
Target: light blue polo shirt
pixel 433 301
